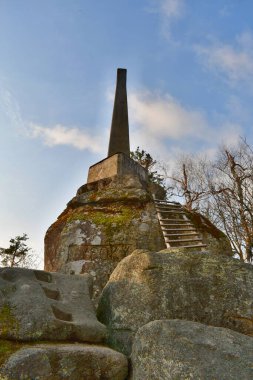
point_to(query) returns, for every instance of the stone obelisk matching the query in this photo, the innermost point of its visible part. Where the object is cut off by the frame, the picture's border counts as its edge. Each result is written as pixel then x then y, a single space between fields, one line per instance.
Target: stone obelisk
pixel 118 162
pixel 119 137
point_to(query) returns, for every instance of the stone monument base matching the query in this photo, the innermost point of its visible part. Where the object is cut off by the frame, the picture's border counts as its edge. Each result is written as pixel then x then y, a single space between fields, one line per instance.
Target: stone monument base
pixel 119 164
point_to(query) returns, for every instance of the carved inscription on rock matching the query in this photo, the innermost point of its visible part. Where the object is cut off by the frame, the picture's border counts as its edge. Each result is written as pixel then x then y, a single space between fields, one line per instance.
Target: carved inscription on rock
pixel 115 252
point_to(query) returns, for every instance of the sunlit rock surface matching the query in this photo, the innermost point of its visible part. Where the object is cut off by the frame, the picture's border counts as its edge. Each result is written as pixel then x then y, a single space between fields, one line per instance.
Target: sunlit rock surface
pixel 197 286
pixel 65 361
pixel 38 305
pixel 174 349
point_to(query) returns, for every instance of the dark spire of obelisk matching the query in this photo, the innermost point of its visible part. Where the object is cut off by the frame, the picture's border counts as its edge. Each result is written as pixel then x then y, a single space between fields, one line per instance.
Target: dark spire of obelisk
pixel 119 138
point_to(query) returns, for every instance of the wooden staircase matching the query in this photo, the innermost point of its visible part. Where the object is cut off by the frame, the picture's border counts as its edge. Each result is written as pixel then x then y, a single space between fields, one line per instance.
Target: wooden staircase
pixel 178 230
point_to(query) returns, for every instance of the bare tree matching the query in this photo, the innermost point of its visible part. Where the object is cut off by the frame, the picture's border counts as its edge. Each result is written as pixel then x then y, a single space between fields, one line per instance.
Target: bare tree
pixel 222 190
pixel 232 192
pixel 189 180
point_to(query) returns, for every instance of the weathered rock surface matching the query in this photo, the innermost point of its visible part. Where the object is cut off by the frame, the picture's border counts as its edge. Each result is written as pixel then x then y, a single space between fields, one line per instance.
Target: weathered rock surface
pixel 174 349
pixel 37 305
pixel 145 286
pixel 104 223
pixel 65 361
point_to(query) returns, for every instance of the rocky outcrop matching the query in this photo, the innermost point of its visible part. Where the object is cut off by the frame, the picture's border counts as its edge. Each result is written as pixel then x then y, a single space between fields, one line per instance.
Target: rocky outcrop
pixel 174 349
pixel 65 361
pixel 37 305
pixel 145 286
pixel 101 225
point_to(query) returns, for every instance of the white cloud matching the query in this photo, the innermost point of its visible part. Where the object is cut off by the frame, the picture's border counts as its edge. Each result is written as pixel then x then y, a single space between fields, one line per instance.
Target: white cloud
pixel 11 108
pixel 162 126
pixel 51 136
pixel 170 11
pixel 62 135
pixel 235 61
pixel 164 117
pixel 158 120
pixel 171 8
pixel 230 133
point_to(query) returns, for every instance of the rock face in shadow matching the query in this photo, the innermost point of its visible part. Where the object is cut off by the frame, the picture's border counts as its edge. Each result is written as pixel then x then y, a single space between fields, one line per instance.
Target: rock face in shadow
pixel 38 305
pixel 175 349
pixel 68 361
pixel 101 225
pixel 197 286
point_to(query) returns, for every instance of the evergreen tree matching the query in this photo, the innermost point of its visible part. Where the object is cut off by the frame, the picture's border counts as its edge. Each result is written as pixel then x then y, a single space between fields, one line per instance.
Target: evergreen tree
pixel 17 254
pixel 147 161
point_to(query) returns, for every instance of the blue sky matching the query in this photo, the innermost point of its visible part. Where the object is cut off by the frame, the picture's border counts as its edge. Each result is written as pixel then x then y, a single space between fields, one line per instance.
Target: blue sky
pixel 190 87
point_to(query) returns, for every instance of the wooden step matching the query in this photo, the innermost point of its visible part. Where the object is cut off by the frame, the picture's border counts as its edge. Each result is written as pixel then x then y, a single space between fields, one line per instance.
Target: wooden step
pixel 184 240
pixel 171 211
pixel 175 220
pixel 164 204
pixel 170 207
pixel 167 202
pixel 188 224
pixel 159 205
pixel 184 226
pixel 188 246
pixel 179 229
pixel 185 234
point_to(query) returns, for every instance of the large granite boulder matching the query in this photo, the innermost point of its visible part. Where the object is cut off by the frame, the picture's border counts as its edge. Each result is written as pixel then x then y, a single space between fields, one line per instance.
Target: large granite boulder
pixel 176 349
pixel 65 361
pixel 37 305
pixel 197 286
pixel 101 225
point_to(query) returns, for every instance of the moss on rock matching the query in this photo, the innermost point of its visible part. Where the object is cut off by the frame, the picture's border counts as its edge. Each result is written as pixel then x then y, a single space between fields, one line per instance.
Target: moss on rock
pixel 7 348
pixel 8 322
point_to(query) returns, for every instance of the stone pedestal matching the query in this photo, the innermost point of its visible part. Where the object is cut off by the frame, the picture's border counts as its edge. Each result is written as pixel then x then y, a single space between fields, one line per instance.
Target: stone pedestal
pixel 119 164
